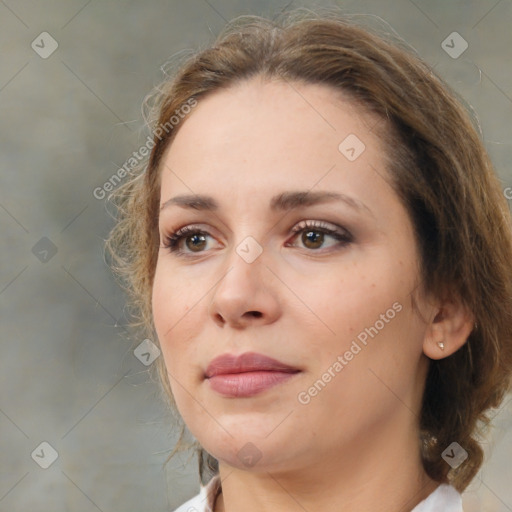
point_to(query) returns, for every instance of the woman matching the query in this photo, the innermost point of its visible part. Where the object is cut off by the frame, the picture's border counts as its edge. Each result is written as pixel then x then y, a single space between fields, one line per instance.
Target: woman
pixel 321 248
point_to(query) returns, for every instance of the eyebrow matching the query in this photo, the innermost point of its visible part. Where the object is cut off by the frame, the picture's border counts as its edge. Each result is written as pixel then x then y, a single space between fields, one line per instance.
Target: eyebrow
pixel 285 201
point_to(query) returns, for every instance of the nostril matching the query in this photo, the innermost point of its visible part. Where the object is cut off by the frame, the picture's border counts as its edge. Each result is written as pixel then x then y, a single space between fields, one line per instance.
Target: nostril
pixel 257 314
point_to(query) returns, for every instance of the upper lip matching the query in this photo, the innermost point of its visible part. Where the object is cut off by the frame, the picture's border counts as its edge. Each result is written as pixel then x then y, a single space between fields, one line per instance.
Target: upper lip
pixel 247 362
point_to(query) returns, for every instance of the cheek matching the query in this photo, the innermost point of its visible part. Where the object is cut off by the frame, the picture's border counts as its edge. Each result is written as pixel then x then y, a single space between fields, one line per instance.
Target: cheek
pixel 179 313
pixel 368 304
pixel 170 311
pixel 161 298
pixel 169 316
pixel 357 296
pixel 171 297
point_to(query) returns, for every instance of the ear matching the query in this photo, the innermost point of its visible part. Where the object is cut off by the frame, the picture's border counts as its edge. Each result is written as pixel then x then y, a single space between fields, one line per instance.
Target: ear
pixel 448 330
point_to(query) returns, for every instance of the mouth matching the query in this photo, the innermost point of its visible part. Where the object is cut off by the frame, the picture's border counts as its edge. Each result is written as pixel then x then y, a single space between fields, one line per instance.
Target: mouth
pixel 246 375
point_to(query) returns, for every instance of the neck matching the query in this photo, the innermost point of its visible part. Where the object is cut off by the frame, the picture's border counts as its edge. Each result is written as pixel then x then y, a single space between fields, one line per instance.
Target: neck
pixel 385 475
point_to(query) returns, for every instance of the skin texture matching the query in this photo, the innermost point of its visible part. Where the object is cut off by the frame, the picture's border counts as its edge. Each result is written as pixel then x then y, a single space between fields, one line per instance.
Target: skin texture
pixel 354 446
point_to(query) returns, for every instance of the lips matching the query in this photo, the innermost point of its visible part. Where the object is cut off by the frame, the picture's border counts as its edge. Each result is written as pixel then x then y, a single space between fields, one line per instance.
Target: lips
pixel 246 375
pixel 247 362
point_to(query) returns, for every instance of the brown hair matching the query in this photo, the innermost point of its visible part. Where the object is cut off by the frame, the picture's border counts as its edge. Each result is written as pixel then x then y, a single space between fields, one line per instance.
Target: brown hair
pixel 439 169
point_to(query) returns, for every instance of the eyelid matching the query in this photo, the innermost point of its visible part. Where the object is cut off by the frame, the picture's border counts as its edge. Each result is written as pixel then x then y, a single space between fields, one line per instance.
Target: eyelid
pixel 317 224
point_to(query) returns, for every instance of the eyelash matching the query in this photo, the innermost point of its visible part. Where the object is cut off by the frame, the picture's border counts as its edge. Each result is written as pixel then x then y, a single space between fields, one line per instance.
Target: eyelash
pixel 172 241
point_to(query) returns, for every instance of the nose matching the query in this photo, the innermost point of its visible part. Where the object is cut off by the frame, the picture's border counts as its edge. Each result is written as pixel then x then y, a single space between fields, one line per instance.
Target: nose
pixel 246 294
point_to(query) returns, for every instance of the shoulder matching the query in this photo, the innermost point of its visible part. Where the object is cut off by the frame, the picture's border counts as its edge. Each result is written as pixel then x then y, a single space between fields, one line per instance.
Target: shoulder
pixel 445 498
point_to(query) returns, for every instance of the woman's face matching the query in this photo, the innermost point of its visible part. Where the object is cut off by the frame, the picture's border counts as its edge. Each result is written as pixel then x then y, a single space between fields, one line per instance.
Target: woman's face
pixel 261 273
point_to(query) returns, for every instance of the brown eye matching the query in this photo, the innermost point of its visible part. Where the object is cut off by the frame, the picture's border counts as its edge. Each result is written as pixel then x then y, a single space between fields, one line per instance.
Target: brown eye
pixel 197 242
pixel 315 234
pixel 194 238
pixel 313 239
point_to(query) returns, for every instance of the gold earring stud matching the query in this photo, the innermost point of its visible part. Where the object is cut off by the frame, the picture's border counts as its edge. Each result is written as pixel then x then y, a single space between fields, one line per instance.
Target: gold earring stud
pixel 440 344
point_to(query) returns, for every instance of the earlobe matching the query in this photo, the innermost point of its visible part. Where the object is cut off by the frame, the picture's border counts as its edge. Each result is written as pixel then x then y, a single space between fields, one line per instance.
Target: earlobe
pixel 437 349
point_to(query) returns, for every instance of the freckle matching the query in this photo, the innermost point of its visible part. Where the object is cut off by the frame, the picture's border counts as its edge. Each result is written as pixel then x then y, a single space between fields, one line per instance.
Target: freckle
pixel 373 285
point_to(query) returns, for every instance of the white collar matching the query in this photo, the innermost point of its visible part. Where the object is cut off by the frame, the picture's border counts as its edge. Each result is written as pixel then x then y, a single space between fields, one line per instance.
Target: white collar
pixel 444 499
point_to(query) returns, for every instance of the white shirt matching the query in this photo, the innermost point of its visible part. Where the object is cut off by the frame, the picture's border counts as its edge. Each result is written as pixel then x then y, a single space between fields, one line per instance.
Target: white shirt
pixel 444 499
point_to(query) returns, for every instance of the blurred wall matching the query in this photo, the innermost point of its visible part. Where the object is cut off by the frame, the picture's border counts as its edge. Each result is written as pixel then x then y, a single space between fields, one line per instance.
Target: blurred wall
pixel 72 78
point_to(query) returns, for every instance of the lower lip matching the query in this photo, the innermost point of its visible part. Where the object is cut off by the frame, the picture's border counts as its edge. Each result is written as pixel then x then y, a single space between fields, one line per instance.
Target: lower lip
pixel 247 384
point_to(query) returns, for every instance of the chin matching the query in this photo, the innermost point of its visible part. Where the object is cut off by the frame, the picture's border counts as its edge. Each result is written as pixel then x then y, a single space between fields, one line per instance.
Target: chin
pixel 249 450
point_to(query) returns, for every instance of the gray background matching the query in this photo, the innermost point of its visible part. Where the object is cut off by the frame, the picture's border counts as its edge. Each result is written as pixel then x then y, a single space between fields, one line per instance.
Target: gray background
pixel 68 375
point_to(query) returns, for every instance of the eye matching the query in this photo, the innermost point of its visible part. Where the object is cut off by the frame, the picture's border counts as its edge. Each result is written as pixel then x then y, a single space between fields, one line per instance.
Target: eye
pixel 313 237
pixel 315 232
pixel 195 240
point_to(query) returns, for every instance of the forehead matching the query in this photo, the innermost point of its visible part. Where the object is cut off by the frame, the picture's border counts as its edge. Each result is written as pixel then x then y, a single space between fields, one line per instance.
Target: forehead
pixel 269 135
